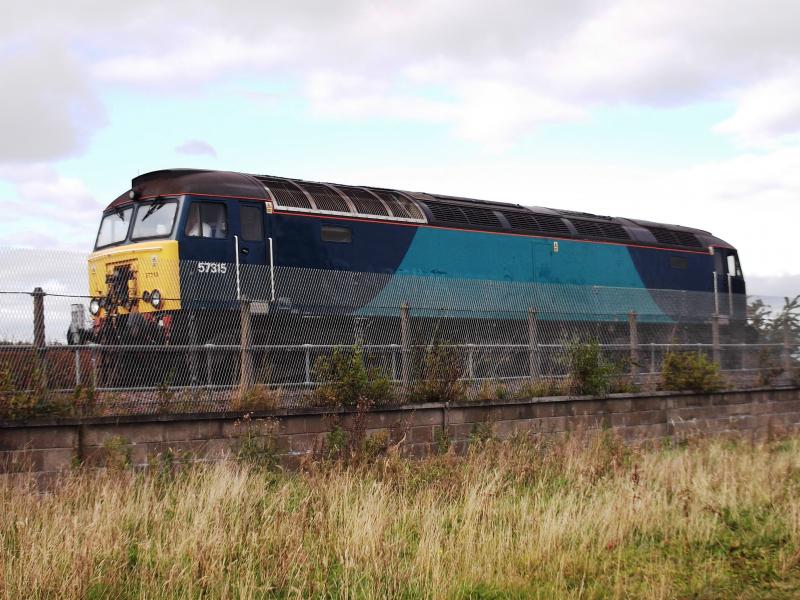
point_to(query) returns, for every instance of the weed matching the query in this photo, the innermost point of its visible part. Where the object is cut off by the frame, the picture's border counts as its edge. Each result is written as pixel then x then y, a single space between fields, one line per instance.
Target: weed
pixel 257 442
pixel 335 442
pixel 260 397
pixel 542 388
pixel 768 370
pixel 376 444
pixel 691 371
pixel 118 453
pixel 481 433
pixel 441 376
pixel 164 393
pixel 346 380
pixel 591 373
pixel 442 440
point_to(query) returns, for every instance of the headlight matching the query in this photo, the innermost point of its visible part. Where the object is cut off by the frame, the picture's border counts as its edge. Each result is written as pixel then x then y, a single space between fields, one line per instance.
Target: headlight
pixel 94 306
pixel 146 296
pixel 155 298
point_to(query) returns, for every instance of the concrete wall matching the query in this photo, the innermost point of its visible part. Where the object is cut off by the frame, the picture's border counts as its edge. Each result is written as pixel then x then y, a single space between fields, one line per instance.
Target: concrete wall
pixel 49 447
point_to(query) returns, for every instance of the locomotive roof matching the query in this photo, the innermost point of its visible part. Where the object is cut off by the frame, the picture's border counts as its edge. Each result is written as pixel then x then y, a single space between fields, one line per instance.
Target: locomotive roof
pixel 435 209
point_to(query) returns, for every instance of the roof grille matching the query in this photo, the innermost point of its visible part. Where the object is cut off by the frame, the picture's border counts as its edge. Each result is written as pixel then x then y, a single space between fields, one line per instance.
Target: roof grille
pixel 447 212
pixel 675 237
pixel 365 203
pixel 600 229
pixel 466 215
pixel 326 198
pixel 285 192
pixel 400 205
pixel 576 213
pixel 536 223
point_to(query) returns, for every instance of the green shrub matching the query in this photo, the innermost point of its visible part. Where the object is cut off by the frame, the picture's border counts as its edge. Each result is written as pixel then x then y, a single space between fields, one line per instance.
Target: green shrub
pixel 376 444
pixel 335 442
pixel 690 371
pixel 346 381
pixel 442 440
pixel 257 443
pixel 19 403
pixel 590 372
pixel 118 453
pixel 441 376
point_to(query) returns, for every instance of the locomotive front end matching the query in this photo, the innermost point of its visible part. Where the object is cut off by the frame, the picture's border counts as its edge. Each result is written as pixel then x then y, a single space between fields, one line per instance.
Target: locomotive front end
pixel 138 278
pixel 134 279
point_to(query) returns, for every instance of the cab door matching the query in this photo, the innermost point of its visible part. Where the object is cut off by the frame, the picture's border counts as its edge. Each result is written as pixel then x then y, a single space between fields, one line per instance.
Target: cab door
pixel 253 252
pixel 735 286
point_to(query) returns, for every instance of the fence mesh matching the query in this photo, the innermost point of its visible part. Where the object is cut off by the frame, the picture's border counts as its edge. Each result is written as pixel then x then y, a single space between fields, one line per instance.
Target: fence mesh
pixel 227 337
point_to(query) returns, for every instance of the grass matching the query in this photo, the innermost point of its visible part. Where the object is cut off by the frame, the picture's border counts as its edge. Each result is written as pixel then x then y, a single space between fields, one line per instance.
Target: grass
pixel 520 519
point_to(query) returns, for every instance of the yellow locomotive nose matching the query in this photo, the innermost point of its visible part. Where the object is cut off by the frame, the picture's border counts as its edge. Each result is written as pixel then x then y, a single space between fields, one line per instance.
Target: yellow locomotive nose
pixel 141 278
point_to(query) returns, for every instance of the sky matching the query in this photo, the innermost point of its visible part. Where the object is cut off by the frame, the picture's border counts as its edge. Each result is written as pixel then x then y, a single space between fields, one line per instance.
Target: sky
pixel 681 112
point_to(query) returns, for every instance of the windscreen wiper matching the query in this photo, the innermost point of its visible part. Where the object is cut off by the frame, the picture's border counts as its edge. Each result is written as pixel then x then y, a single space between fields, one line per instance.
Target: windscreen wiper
pixel 157 203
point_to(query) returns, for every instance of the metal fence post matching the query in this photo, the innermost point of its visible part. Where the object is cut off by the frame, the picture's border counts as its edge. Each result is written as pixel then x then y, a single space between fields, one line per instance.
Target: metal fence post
pixel 633 330
pixel 715 339
pixel 534 362
pixel 193 354
pixel 245 355
pixel 77 367
pixel 787 348
pixel 39 335
pixel 307 362
pixel 652 357
pixel 405 362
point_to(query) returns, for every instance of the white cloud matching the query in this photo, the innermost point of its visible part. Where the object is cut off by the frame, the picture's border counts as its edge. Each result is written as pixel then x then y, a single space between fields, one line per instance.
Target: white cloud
pixel 48 109
pixel 504 66
pixel 196 148
pixel 767 113
pixel 50 211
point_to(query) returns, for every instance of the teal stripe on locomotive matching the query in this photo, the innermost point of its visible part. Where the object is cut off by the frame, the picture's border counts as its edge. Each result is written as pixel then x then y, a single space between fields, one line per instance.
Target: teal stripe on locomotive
pixel 503 276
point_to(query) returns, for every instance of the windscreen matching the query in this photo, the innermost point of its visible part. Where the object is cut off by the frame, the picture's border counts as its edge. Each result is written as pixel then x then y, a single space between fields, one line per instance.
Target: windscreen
pixel 154 220
pixel 114 228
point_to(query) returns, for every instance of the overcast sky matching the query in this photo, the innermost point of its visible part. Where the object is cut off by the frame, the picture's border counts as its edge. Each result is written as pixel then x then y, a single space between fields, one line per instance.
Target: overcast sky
pixel 682 111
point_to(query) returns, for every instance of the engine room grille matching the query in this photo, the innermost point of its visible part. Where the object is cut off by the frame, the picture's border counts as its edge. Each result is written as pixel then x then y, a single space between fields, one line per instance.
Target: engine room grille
pixel 286 193
pixel 675 237
pixel 529 222
pixel 463 215
pixel 326 198
pixel 600 229
pixel 400 205
pixel 365 202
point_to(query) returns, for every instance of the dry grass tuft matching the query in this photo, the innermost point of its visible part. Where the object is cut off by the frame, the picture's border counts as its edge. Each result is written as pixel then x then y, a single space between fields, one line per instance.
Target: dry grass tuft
pixel 573 518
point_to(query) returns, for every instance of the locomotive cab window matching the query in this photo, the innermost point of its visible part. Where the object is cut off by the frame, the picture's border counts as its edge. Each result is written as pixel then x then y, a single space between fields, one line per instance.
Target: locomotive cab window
pixel 207 220
pixel 733 265
pixel 252 223
pixel 339 235
pixel 114 228
pixel 155 219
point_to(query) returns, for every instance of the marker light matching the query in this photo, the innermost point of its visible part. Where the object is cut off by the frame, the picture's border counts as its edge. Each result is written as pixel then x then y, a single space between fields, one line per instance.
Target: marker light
pixel 94 307
pixel 155 298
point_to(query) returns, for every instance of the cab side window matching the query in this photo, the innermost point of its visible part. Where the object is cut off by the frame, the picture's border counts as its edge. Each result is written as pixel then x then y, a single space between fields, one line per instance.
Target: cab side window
pixel 733 265
pixel 207 220
pixel 252 223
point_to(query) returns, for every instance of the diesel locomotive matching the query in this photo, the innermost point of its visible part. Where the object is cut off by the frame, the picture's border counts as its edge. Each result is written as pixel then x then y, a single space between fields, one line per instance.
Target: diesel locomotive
pixel 194 243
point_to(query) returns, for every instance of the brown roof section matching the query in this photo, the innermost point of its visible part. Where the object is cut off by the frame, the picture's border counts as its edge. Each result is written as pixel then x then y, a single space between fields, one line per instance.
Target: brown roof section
pixel 169 182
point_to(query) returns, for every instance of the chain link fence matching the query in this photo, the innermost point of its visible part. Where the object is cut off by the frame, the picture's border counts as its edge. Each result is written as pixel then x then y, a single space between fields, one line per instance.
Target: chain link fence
pixel 235 336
